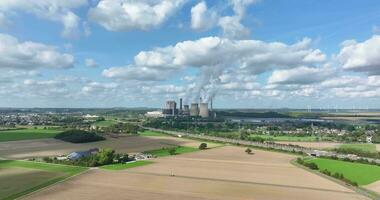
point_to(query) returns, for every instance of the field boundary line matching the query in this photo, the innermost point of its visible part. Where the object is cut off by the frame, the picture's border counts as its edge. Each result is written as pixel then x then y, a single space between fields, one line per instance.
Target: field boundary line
pixel 359 190
pixel 51 185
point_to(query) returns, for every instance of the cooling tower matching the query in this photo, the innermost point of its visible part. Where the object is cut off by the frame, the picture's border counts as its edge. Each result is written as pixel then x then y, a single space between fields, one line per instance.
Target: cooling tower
pixel 203 110
pixel 194 110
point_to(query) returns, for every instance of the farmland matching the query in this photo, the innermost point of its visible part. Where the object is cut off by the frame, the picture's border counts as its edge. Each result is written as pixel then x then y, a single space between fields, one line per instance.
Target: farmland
pixel 121 166
pixel 234 175
pixel 360 147
pixel 151 133
pixel 28 133
pixel 363 174
pixel 18 178
pixel 166 151
pixel 125 144
pixel 105 123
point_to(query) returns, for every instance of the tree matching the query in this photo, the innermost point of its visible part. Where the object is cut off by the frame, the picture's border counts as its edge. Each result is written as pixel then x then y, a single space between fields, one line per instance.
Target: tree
pixel 248 151
pixel 203 146
pixel 105 156
pixel 172 151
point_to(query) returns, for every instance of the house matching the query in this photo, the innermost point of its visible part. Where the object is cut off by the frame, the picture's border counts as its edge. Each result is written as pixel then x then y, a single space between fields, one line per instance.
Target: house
pixel 143 156
pixel 81 154
pixel 369 139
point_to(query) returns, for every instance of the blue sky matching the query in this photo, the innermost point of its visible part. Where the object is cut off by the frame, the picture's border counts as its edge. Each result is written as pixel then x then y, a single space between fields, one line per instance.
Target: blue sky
pixel 242 53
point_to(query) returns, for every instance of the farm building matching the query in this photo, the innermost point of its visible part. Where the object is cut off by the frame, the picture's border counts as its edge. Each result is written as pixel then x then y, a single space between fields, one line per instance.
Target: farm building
pixel 80 154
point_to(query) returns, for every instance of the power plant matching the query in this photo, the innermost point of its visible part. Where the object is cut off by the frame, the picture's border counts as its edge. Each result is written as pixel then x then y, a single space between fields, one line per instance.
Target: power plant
pixel 196 109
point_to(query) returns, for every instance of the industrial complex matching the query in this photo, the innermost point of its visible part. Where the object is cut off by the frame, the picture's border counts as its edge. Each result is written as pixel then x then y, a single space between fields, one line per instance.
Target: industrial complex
pixel 200 109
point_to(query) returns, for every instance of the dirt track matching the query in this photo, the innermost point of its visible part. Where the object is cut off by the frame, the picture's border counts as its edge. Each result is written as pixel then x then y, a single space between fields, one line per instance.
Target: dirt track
pixel 225 173
pixel 51 147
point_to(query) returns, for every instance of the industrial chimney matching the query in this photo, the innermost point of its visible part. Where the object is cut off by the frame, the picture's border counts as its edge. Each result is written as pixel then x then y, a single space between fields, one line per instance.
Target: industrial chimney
pixel 180 104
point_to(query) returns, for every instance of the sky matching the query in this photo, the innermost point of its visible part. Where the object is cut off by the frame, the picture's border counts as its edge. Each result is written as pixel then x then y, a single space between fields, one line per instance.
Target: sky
pixel 140 53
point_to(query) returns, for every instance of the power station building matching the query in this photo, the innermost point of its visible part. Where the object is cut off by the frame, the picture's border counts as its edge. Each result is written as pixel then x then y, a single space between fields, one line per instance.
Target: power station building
pixel 196 109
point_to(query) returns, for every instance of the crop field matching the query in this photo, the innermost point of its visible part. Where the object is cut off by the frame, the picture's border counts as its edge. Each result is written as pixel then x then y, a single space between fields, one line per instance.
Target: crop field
pixel 225 173
pixel 28 133
pixel 121 166
pixel 126 144
pixel 363 174
pixel 165 151
pixel 151 133
pixel 105 123
pixel 361 147
pixel 18 178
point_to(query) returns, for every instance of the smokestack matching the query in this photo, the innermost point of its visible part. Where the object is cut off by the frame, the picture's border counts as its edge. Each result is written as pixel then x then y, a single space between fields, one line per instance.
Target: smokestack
pixel 211 104
pixel 180 104
pixel 200 100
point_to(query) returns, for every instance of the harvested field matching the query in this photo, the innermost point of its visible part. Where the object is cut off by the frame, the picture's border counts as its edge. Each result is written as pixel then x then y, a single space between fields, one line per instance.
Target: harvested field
pixel 374 187
pixel 316 145
pixel 52 147
pixel 226 173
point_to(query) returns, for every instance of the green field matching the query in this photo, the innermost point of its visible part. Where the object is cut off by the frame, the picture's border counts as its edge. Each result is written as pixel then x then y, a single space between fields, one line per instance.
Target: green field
pixel 18 178
pixel 361 147
pixel 290 138
pixel 165 151
pixel 28 133
pixel 121 166
pixel 151 133
pixel 363 174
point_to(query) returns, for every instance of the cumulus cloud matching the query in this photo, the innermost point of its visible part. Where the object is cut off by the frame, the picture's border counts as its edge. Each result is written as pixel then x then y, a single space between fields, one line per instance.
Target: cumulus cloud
pixel 202 18
pixel 125 15
pixel 53 10
pixel 96 88
pixel 361 56
pixel 89 62
pixel 232 28
pixel 134 73
pixel 213 57
pixel 301 75
pixel 30 55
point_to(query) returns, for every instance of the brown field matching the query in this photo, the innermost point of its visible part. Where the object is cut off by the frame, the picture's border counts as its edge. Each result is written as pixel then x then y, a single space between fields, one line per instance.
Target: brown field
pixel 316 145
pixel 16 180
pixel 374 186
pixel 52 147
pixel 226 173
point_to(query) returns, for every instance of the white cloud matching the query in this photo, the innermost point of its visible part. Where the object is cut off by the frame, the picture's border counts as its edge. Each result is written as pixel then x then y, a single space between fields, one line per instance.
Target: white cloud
pixel 232 28
pixel 240 6
pixel 125 15
pixel 361 57
pixel 30 55
pixel 223 64
pixel 53 10
pixel 301 75
pixel 89 62
pixel 134 73
pixel 343 81
pixel 202 18
pixel 96 88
